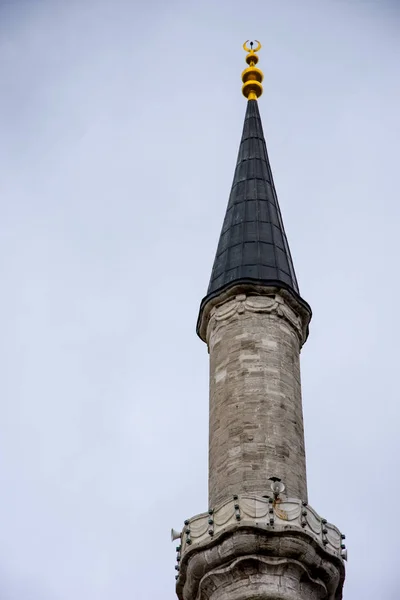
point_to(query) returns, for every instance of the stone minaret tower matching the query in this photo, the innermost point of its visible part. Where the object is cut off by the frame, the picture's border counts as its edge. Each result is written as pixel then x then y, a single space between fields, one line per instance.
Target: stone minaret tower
pixel 260 539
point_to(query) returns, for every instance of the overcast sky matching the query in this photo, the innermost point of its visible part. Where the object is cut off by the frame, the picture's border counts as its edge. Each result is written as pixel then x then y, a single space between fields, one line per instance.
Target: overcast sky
pixel 119 128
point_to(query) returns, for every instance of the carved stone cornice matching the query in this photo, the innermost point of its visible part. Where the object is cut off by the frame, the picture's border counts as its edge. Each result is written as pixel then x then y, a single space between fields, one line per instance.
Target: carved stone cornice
pixel 249 562
pixel 251 289
pixel 286 538
pixel 256 576
pixel 271 304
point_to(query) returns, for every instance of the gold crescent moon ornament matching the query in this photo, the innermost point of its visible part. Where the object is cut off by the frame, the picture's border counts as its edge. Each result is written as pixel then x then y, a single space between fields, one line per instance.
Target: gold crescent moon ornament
pixel 251 49
pixel 252 77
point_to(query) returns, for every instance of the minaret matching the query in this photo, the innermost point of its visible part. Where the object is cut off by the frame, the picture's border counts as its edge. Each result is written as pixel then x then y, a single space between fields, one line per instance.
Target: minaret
pixel 260 539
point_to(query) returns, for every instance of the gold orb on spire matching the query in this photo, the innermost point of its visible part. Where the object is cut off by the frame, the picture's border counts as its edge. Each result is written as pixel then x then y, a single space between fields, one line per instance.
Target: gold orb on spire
pixel 252 77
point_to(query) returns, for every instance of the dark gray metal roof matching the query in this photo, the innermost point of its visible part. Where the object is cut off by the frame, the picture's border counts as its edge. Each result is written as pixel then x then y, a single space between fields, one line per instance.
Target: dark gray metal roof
pixel 252 246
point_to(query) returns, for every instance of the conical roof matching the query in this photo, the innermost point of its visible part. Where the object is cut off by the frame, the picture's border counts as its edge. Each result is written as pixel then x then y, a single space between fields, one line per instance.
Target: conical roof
pixel 252 246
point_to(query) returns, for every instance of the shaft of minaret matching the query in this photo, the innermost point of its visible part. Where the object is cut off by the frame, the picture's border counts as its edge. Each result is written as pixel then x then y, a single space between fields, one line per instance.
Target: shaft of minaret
pixel 256 421
pixel 259 537
pixel 254 323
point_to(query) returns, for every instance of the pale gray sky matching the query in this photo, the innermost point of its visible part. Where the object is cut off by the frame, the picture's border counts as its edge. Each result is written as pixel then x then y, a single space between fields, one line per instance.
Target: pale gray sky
pixel 120 123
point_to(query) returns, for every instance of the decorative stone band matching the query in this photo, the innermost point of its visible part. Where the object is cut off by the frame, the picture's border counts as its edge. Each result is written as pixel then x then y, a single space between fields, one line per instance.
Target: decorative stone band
pixel 262 513
pixel 238 293
pixel 273 304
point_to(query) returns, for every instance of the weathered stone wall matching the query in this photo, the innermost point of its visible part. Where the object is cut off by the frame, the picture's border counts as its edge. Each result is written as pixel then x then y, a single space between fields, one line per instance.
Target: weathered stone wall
pixel 256 420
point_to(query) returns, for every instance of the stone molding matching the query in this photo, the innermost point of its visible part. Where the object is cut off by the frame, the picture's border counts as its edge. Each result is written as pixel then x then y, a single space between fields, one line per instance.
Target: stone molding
pixel 264 577
pixel 299 307
pixel 271 304
pixel 284 543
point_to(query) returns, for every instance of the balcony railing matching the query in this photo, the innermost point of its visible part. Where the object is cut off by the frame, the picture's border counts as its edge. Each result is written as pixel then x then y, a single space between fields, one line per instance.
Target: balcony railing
pixel 260 512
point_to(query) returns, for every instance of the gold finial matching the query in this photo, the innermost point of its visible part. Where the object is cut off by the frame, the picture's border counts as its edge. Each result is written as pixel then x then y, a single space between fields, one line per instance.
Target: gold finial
pixel 252 77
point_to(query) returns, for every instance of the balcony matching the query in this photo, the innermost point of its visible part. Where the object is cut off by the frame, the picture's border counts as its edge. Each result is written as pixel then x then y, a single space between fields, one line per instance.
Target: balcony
pixel 267 514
